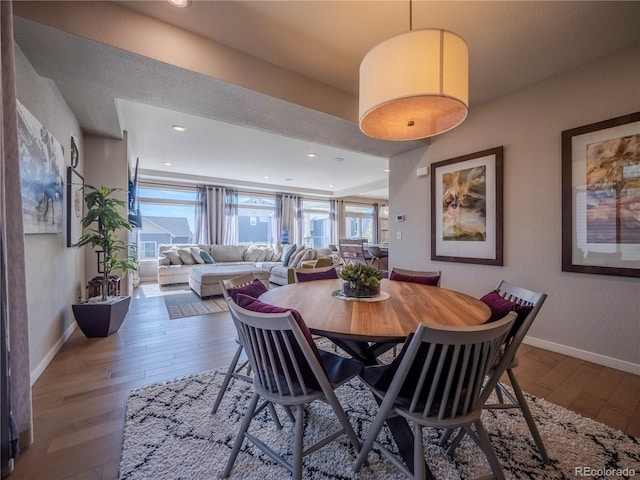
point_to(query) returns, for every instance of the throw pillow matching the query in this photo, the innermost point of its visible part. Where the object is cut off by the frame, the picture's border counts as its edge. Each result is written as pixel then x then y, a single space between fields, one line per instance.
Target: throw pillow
pixel 195 253
pixel 255 305
pixel 206 257
pixel 301 256
pixel 173 257
pixel 185 256
pixel 415 279
pixel 253 289
pixel 310 277
pixel 287 256
pixel 500 306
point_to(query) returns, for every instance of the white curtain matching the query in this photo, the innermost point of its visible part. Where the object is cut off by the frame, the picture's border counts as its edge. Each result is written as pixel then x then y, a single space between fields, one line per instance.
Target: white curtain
pixel 337 221
pixel 289 217
pixel 374 234
pixel 209 215
pixel 230 219
pixel 15 391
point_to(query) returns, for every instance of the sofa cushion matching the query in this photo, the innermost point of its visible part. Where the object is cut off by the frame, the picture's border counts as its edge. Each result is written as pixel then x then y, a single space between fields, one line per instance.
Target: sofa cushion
pixel 173 257
pixel 302 256
pixel 206 257
pixel 288 252
pixel 228 253
pixel 255 253
pixel 195 253
pixel 185 256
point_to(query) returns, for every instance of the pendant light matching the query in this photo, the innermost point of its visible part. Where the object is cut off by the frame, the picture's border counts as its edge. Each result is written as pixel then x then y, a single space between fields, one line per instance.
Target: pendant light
pixel 414 85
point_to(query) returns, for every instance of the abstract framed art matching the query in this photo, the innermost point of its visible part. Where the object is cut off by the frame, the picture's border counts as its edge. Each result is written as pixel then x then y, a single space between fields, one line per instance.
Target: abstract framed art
pixel 601 197
pixel 466 208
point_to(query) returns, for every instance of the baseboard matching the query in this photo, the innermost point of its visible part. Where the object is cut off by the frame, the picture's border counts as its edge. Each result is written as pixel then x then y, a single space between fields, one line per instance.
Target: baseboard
pixel 584 355
pixel 35 374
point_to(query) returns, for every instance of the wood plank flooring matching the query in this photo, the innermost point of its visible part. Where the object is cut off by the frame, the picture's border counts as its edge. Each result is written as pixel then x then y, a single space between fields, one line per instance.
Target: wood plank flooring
pixel 79 401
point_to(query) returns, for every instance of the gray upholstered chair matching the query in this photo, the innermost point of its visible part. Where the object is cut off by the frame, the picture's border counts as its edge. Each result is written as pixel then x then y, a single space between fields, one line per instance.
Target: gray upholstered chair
pixel 437 381
pixel 376 255
pixel 290 371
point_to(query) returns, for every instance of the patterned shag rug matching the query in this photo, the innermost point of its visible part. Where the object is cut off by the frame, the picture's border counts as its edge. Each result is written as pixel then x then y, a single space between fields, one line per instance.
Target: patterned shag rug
pixel 171 434
pixel 190 304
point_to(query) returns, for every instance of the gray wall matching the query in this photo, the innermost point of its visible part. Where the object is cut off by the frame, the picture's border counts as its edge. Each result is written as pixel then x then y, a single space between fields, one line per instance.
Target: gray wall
pixel 55 273
pixel 593 317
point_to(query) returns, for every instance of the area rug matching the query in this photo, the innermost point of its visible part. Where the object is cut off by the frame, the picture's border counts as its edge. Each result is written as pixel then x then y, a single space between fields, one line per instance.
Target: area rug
pixel 171 434
pixel 190 304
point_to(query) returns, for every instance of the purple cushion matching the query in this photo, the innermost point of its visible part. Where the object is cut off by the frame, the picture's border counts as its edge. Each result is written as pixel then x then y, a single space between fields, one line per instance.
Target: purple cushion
pixel 433 281
pixel 256 305
pixel 500 306
pixel 253 289
pixel 311 276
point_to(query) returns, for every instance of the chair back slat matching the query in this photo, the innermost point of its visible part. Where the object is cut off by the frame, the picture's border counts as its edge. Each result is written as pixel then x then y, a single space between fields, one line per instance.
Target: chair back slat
pixel 453 364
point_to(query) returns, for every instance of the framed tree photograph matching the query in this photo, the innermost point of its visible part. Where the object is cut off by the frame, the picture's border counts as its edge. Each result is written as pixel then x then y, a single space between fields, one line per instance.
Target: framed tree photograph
pixel 601 197
pixel 466 208
pixel 75 206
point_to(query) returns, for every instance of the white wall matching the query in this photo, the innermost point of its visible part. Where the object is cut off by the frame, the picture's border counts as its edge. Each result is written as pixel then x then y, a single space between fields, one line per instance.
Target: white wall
pixel 55 273
pixel 594 317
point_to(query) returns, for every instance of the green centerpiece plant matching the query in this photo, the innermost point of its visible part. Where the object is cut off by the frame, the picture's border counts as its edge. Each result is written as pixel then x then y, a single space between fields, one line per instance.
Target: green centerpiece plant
pixel 360 280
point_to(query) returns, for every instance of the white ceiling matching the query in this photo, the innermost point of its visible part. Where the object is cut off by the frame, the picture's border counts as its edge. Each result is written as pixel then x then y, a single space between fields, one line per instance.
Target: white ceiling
pixel 511 45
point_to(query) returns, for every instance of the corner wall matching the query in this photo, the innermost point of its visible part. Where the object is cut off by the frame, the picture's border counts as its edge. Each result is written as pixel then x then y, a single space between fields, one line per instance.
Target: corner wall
pixel 593 317
pixel 55 273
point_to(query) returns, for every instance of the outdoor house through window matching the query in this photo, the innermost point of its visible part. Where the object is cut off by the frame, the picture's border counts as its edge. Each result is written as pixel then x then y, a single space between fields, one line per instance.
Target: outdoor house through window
pixel 256 217
pixel 168 216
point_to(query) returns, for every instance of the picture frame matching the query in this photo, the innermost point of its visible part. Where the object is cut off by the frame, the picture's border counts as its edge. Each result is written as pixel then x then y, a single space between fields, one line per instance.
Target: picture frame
pixel 75 206
pixel 601 197
pixel 467 208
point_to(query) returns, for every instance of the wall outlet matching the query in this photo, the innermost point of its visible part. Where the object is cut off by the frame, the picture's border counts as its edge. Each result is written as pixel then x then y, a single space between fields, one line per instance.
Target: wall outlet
pixel 399 235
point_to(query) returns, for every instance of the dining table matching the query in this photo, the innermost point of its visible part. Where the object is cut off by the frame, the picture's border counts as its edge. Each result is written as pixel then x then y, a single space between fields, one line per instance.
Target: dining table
pixel 366 327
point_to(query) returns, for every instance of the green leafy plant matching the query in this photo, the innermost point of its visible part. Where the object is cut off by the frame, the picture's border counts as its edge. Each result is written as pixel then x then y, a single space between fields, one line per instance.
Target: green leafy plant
pixel 100 225
pixel 361 274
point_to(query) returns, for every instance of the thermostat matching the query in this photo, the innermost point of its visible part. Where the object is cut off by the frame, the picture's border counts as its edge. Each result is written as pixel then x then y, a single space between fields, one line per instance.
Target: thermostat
pixel 400 218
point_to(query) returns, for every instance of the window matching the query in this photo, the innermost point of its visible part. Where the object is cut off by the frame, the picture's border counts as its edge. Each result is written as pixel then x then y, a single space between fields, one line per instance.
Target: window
pixel 168 216
pixel 316 219
pixel 256 217
pixel 359 221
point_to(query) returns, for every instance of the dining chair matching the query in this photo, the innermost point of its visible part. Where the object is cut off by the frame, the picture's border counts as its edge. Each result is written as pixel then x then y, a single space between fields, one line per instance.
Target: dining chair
pixel 376 255
pixel 526 303
pixel 427 277
pixel 244 284
pixel 437 381
pixel 290 371
pixel 352 250
pixel 311 274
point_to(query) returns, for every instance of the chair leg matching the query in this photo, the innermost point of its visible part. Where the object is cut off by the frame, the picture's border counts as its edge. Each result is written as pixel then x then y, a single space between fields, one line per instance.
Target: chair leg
pixel 227 379
pixel 376 426
pixel 419 470
pixel 298 443
pixel 244 426
pixel 487 448
pixel 524 406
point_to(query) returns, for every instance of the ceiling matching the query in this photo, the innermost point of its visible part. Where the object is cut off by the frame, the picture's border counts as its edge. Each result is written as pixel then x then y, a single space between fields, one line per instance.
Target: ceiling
pixel 298 89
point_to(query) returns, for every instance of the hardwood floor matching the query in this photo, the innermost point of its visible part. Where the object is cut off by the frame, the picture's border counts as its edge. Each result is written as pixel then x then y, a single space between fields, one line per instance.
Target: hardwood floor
pixel 79 401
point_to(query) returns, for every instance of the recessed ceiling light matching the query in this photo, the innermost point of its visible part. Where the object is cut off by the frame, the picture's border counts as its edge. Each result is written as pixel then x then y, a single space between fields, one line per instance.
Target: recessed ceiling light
pixel 331 186
pixel 166 163
pixel 339 159
pixel 387 170
pixel 311 154
pixel 179 128
pixel 180 3
pixel 266 177
pixel 361 193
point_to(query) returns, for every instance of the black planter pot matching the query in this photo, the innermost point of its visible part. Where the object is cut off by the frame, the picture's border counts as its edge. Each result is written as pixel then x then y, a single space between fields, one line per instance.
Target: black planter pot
pixel 101 319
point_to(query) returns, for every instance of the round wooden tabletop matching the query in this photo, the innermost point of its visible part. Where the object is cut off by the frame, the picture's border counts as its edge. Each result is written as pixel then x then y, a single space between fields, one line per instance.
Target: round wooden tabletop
pixel 393 318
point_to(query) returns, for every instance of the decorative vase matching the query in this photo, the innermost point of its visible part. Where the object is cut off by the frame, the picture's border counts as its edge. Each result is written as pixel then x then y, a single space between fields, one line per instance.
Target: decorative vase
pixel 358 290
pixel 101 319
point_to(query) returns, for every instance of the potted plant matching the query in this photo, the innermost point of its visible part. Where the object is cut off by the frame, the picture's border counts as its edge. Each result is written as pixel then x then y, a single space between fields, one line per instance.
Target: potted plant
pixel 102 315
pixel 360 280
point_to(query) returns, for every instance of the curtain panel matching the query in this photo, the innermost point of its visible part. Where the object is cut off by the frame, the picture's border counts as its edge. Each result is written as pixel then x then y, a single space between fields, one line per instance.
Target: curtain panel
pixel 209 215
pixel 337 220
pixel 14 358
pixel 230 218
pixel 289 217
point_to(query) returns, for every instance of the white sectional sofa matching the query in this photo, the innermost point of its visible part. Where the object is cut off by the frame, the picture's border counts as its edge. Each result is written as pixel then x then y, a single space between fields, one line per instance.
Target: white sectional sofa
pixel 178 263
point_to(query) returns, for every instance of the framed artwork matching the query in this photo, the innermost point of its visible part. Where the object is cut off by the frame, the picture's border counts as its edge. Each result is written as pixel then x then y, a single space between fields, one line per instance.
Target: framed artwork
pixel 75 206
pixel 601 197
pixel 466 208
pixel 41 159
